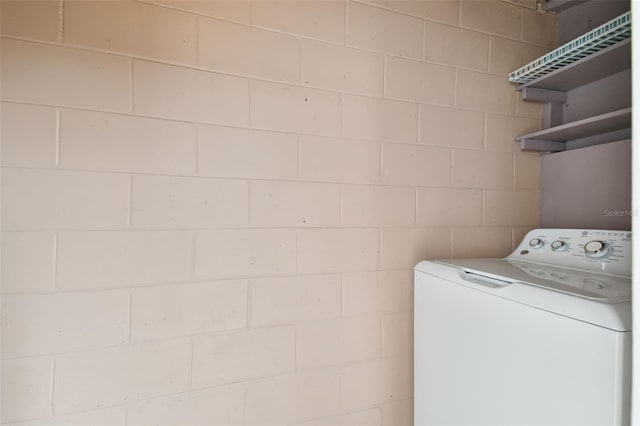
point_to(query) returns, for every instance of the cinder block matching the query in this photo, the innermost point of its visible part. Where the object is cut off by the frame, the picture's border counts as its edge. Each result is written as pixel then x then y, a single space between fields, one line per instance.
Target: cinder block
pixel 337 250
pixel 159 202
pixel 179 310
pixel 89 260
pixel 287 300
pixel 242 355
pixel 245 253
pixel 294 204
pixel 265 54
pixel 56 199
pixel 26 145
pixel 55 75
pixel 100 141
pixel 131 27
pixel 109 377
pixel 190 95
pixel 379 119
pixel 294 109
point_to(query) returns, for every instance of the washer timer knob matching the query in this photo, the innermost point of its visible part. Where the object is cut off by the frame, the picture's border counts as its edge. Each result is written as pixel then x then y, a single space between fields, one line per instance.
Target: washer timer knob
pixel 597 249
pixel 536 243
pixel 559 245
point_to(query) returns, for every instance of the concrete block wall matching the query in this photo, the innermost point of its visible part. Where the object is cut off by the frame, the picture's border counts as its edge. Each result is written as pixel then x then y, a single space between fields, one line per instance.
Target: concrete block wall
pixel 211 209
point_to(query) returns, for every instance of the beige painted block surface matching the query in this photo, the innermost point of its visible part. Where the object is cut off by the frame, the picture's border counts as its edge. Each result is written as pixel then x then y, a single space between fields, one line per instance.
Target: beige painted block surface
pixel 89 260
pixel 341 68
pixel 484 92
pixel 221 406
pixel 397 413
pixel 377 292
pixel 491 16
pixel 527 171
pixel 242 355
pixel 339 160
pixel 159 202
pixel 447 11
pixel 375 382
pixel 482 169
pixel 24 144
pixel 322 20
pixel 508 55
pixel 108 417
pixel 131 27
pixel 241 153
pixel 287 300
pixel 480 242
pixel 539 28
pixel 28 261
pixel 265 54
pixel 457 47
pixel 108 377
pixel 449 206
pixel 54 75
pixel 63 200
pixel 372 417
pixel 451 127
pixel 184 309
pixel 39 324
pixel 419 81
pixel 378 119
pixel 502 131
pixel 397 337
pixel 190 95
pixel 26 388
pixel 337 250
pixel 100 141
pixel 292 398
pixel 289 204
pixel 519 232
pixel 403 248
pixel 377 206
pixel 244 253
pixel 385 31
pixel 232 10
pixel 337 341
pixel 38 20
pixel 294 109
pixel 519 208
pixel 416 165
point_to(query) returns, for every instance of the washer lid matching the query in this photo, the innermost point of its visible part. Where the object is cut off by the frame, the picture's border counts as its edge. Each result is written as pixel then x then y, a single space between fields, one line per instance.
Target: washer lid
pixel 600 287
pixel 598 299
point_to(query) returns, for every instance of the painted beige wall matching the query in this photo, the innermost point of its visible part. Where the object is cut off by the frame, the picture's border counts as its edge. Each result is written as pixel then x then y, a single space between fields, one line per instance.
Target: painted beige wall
pixel 211 210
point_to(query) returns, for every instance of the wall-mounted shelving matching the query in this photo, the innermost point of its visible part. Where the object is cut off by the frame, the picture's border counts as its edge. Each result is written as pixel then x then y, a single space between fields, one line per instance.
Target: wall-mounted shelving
pixel 587 68
pixel 599 65
pixel 554 138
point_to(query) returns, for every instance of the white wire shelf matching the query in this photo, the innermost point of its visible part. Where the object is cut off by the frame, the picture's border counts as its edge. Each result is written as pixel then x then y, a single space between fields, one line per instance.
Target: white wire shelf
pixel 615 31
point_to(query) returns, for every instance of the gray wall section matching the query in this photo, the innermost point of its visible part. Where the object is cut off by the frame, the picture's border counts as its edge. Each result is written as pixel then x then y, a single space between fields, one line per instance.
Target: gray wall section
pixel 584 17
pixel 605 95
pixel 587 187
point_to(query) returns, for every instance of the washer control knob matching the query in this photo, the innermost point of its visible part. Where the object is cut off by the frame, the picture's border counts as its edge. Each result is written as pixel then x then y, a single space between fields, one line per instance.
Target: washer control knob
pixel 536 243
pixel 597 249
pixel 558 245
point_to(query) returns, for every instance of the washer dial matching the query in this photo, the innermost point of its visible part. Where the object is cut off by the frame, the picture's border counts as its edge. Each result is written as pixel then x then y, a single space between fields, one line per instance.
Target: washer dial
pixel 597 249
pixel 559 245
pixel 536 243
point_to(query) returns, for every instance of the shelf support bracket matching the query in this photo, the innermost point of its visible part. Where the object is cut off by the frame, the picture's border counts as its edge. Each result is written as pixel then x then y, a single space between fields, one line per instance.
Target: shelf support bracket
pixel 543 95
pixel 540 145
pixel 551 115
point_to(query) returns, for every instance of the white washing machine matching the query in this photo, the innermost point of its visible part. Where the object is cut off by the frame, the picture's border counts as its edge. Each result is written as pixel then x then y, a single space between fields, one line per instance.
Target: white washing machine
pixel 541 337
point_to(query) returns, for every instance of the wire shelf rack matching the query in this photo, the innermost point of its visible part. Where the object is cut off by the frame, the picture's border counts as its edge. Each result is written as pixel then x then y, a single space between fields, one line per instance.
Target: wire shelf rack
pixel 608 34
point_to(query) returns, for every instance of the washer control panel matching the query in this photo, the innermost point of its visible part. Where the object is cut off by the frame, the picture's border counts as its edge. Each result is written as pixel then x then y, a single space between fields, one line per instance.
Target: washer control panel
pixel 602 251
